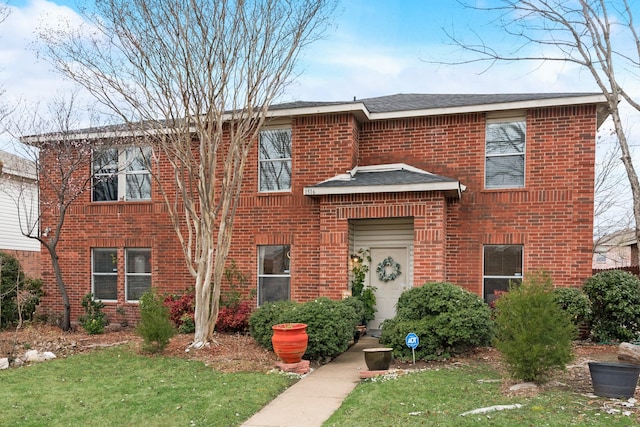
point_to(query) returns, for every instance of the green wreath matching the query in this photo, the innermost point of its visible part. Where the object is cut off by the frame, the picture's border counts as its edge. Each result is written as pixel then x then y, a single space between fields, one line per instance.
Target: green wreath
pixel 388 274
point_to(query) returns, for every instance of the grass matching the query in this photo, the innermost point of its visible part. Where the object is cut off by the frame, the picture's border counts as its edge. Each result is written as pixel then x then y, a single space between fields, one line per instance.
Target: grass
pixel 438 397
pixel 119 387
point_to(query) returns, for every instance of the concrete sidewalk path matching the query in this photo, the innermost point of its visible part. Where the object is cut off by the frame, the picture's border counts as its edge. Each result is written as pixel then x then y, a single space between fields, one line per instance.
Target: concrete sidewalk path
pixel 313 399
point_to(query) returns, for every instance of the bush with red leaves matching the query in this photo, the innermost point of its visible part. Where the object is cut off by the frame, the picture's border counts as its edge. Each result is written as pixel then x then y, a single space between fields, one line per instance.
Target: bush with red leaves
pixel 234 318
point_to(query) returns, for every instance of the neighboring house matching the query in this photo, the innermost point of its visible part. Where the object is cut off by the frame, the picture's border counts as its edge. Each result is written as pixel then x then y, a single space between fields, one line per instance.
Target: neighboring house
pixel 615 250
pixel 471 189
pixel 18 187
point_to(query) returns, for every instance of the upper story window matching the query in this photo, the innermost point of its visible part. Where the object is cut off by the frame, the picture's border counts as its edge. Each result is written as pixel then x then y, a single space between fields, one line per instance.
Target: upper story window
pixel 121 174
pixel 275 160
pixel 504 153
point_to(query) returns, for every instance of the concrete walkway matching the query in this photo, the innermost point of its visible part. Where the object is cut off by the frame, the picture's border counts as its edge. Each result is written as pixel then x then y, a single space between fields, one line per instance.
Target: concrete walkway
pixel 313 399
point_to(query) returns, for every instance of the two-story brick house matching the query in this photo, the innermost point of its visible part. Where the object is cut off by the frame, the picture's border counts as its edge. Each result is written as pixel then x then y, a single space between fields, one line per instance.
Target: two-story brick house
pixel 471 189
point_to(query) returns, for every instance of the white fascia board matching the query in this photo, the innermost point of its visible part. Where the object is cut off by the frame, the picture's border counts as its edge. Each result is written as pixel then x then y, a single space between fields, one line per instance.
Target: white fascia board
pixel 400 188
pixel 356 108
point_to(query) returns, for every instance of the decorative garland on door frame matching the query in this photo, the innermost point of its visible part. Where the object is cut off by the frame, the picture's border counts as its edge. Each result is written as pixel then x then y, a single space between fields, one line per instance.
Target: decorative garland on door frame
pixel 392 274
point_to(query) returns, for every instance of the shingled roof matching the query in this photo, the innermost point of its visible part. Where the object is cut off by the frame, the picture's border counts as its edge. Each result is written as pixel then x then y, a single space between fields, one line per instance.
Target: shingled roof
pixel 397 177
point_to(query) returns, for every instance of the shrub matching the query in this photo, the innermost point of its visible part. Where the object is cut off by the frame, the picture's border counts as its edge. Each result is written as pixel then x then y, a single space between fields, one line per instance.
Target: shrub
pixel 181 310
pixel 575 302
pixel 533 333
pixel 330 324
pixel 447 319
pixel 155 326
pixel 269 314
pixel 615 305
pixel 234 318
pixel 366 294
pixel 94 319
pixel 19 295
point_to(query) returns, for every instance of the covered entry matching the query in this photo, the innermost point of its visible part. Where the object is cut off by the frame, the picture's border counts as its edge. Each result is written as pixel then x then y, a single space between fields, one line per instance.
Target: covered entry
pixel 389 242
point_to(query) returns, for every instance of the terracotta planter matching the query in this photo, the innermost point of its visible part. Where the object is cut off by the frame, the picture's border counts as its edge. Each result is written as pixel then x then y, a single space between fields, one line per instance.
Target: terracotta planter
pixel 290 341
pixel 614 379
pixel 378 359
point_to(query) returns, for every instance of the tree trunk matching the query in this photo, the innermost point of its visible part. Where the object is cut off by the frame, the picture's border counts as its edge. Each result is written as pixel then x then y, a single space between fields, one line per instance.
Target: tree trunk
pixel 66 318
pixel 629 353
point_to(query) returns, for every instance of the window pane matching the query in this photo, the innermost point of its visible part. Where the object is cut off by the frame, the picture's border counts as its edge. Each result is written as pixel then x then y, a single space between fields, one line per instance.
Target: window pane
pixel 105 161
pixel 105 261
pixel 275 175
pixel 491 285
pixel 138 158
pixel 505 171
pixel 105 287
pixel 139 261
pixel 271 289
pixel 503 260
pixel 138 273
pixel 138 186
pixel 275 144
pixel 136 286
pixel 274 260
pixel 505 138
pixel 105 189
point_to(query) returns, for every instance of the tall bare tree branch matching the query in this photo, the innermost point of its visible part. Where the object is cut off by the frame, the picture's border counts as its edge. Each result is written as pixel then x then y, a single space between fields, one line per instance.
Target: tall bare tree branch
pixel 598 35
pixel 205 72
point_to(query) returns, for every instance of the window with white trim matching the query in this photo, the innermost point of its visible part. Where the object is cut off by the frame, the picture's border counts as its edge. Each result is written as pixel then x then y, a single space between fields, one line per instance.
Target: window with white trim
pixel 121 174
pixel 275 160
pixel 274 275
pixel 137 272
pixel 104 273
pixel 502 266
pixel 505 153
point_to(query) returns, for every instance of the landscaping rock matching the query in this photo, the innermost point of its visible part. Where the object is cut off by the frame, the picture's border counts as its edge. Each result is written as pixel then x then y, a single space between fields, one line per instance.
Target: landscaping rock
pixel 4 363
pixel 31 356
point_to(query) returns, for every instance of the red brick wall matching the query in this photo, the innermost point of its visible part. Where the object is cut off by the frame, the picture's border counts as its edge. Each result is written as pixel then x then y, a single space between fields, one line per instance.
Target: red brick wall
pixel 551 216
pixel 29 261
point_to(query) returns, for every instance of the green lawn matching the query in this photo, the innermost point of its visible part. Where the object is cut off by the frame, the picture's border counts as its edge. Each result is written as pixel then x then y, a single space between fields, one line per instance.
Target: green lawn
pixel 119 387
pixel 438 397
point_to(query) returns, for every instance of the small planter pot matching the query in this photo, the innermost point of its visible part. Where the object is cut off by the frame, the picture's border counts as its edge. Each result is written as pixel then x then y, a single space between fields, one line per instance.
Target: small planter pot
pixel 378 359
pixel 610 379
pixel 290 341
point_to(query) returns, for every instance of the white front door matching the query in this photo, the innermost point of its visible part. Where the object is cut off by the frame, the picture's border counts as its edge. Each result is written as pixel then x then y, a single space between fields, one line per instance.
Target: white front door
pixel 388 292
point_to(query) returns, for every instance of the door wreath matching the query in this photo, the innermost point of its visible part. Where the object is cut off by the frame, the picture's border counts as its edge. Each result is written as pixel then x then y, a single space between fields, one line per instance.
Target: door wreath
pixel 388 270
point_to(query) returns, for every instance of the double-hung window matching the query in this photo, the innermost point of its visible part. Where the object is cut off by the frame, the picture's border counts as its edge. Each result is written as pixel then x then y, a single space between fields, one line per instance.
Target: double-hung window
pixel 138 272
pixel 502 266
pixel 273 273
pixel 104 274
pixel 505 153
pixel 275 159
pixel 121 174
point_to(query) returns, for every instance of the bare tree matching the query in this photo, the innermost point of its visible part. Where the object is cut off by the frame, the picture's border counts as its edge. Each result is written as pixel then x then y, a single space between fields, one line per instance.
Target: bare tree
pixel 600 36
pixel 197 77
pixel 61 158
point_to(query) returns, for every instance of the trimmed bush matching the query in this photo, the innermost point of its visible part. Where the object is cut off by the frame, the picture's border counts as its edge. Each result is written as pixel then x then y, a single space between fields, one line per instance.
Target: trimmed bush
pixel 533 333
pixel 330 324
pixel 14 283
pixel 448 320
pixel 575 302
pixel 615 305
pixel 155 326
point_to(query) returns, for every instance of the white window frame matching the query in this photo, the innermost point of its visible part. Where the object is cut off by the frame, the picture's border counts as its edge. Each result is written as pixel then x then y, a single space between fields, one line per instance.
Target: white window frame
pixel 129 274
pixel 123 172
pixel 488 155
pixel 261 275
pixel 284 160
pixel 514 277
pixel 104 274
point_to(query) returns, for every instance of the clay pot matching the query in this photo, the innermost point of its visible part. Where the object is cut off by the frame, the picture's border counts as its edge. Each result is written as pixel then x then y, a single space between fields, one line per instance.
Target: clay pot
pixel 290 341
pixel 378 359
pixel 614 379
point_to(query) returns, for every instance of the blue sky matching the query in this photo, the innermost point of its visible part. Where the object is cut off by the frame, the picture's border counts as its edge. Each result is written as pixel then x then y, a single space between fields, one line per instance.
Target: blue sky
pixel 376 47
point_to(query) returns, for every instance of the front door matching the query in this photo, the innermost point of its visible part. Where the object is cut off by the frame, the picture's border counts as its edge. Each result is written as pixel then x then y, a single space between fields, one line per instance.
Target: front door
pixel 388 287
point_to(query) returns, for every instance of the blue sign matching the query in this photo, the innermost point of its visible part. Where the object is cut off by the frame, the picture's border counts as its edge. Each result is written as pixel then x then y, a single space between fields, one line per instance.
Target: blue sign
pixel 412 340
